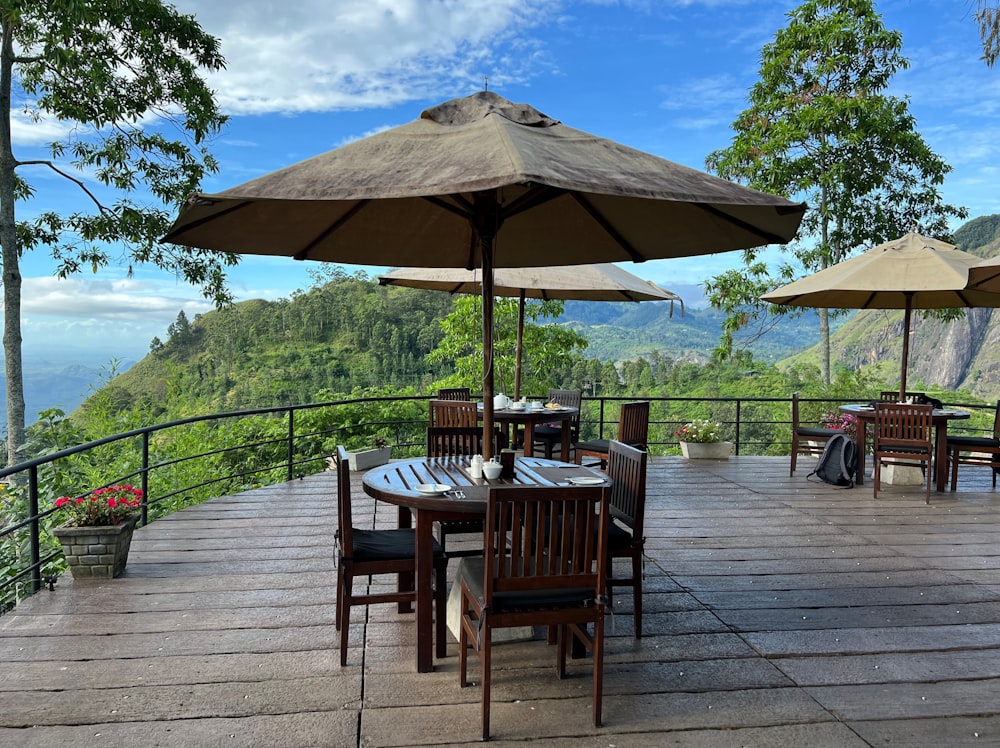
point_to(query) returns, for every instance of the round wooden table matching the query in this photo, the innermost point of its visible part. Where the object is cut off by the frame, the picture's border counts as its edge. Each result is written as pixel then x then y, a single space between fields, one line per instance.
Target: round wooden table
pixel 866 414
pixel 396 483
pixel 530 417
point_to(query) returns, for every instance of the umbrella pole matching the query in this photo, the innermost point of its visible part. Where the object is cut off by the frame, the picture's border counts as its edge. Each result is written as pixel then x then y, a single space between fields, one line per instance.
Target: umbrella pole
pixel 906 346
pixel 520 348
pixel 487 349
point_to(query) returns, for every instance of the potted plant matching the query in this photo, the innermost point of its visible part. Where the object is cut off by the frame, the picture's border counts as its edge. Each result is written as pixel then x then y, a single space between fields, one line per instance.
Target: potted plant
pixel 97 533
pixel 364 459
pixel 700 439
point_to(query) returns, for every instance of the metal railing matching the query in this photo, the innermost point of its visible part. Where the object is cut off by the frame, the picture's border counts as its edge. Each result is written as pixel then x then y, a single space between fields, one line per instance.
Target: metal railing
pixel 281 443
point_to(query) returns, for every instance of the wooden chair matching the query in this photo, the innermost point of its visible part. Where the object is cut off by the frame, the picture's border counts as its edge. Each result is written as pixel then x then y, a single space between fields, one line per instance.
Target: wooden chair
pixel 362 553
pixel 454 393
pixel 975 450
pixel 892 396
pixel 452 441
pixel 633 429
pixel 802 436
pixel 627 470
pixel 452 413
pixel 903 435
pixel 518 583
pixel 549 436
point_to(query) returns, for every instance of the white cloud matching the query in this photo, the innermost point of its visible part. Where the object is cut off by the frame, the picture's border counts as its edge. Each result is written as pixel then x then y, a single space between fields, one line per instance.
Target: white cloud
pixel 318 55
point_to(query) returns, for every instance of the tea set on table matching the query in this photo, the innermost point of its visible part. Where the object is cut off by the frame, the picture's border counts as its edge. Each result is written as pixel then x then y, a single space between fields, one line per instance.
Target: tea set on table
pixel 502 402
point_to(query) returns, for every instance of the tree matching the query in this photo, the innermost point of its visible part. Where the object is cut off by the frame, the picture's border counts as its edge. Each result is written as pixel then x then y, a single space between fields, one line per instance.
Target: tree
pixel 546 347
pixel 121 78
pixel 988 18
pixel 820 127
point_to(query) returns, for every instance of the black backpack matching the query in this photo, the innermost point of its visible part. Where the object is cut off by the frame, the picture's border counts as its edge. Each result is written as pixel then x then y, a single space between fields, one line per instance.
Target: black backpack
pixel 838 462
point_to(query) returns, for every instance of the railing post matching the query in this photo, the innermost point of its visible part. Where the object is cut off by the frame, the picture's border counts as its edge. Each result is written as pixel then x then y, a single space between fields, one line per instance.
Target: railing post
pixel 600 420
pixel 291 441
pixel 33 530
pixel 739 409
pixel 144 508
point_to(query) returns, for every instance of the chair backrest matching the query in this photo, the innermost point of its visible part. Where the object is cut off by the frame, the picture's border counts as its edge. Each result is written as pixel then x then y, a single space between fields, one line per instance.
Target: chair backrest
pixel 795 410
pixel 449 441
pixel 452 413
pixel 892 396
pixel 541 539
pixel 899 426
pixel 633 424
pixel 570 399
pixel 454 393
pixel 345 522
pixel 627 470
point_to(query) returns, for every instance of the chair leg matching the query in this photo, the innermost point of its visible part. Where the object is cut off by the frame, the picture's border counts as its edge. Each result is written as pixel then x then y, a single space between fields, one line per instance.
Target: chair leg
pixel 637 593
pixel 485 656
pixel 340 596
pixel 345 616
pixel 953 459
pixel 441 612
pixel 598 653
pixel 795 454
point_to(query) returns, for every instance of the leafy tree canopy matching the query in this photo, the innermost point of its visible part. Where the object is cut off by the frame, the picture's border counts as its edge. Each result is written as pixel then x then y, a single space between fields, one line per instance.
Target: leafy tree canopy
pixel 821 128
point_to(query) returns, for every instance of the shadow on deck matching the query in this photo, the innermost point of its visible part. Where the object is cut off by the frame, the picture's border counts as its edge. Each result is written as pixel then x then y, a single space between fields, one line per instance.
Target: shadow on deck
pixel 780 612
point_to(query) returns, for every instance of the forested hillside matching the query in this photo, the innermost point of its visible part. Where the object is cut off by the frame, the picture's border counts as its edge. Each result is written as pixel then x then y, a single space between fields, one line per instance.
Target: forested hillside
pixel 348 333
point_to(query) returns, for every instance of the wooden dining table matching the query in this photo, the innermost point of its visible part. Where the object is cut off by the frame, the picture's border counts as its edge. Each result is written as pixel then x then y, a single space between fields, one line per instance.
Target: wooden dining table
pixel 940 417
pixel 397 483
pixel 530 417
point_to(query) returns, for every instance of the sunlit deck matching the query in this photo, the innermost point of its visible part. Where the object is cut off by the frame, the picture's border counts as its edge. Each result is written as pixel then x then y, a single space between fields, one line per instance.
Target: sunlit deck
pixel 781 612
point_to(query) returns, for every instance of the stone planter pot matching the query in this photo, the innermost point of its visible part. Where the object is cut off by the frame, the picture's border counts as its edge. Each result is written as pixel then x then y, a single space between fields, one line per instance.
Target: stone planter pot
pixel 96 552
pixel 369 458
pixel 707 451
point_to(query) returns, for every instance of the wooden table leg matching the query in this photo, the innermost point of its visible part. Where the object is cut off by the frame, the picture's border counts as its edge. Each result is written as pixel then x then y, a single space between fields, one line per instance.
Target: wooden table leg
pixel 941 455
pixel 565 428
pixel 425 595
pixel 529 439
pixel 860 440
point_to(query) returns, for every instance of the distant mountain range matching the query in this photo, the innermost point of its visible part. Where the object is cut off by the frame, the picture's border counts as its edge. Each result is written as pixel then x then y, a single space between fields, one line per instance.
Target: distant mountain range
pixel 963 354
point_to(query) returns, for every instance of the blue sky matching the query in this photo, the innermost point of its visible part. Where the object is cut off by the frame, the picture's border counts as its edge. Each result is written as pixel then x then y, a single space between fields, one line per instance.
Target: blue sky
pixel 664 76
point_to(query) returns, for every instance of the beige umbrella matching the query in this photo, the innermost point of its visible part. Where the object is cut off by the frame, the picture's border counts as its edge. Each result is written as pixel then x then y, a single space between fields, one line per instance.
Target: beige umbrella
pixel 986 275
pixel 602 282
pixel 912 272
pixel 482 182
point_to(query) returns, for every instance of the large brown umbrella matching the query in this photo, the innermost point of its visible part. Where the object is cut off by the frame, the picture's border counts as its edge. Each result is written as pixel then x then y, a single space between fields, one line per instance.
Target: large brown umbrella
pixel 912 272
pixel 482 182
pixel 601 282
pixel 986 275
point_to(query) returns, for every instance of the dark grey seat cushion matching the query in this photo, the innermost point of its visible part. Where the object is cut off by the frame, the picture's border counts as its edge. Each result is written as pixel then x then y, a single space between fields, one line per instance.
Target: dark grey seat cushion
pixel 473 570
pixel 808 431
pixel 386 545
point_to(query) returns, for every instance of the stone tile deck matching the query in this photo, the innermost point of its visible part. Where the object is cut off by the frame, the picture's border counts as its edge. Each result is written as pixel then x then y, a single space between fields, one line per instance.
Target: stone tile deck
pixel 781 612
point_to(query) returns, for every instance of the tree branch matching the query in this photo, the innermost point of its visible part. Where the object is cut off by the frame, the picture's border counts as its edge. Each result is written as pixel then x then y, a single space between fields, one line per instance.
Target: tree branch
pixel 79 183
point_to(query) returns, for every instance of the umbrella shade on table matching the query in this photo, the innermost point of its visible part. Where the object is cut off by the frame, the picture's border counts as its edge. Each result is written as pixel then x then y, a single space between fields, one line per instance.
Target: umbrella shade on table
pixel 483 182
pixel 912 272
pixel 601 282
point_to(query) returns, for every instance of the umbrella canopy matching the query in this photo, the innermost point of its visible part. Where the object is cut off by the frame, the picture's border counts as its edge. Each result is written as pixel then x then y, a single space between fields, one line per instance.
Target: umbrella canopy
pixel 912 272
pixel 482 182
pixel 986 276
pixel 602 282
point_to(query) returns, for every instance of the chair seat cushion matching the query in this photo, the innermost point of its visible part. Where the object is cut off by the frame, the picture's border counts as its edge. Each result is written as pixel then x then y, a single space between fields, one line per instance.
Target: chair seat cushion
pixel 973 442
pixel 473 570
pixel 808 431
pixel 596 445
pixel 619 539
pixel 387 545
pixel 463 525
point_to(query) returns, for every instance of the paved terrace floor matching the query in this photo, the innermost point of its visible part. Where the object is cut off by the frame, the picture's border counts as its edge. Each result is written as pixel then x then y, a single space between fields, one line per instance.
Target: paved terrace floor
pixel 781 612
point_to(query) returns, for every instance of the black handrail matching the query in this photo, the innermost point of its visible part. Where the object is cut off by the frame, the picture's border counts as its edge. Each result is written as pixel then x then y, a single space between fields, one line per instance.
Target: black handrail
pixel 597 419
